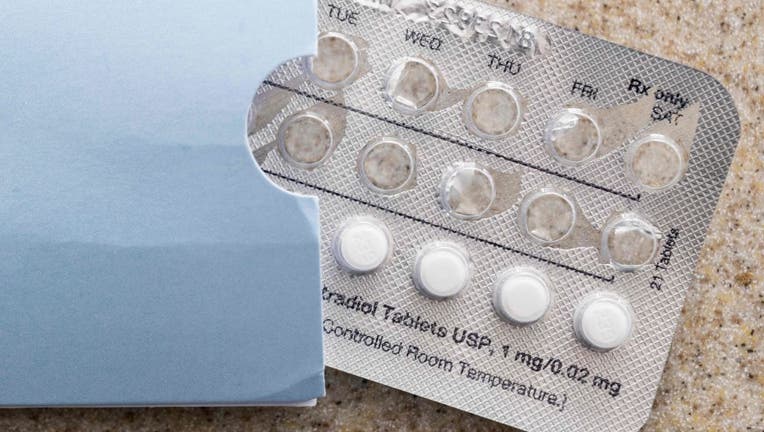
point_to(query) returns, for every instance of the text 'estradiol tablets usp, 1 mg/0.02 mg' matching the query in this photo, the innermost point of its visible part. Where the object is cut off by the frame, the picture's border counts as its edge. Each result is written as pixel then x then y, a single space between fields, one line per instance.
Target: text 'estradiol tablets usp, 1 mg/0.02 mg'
pixel 516 208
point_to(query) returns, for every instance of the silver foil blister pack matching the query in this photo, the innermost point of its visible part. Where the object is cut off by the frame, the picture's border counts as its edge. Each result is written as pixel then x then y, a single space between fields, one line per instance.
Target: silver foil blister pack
pixel 511 212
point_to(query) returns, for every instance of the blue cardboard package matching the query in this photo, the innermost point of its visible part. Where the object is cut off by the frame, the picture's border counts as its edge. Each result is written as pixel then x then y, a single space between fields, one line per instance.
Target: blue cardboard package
pixel 144 258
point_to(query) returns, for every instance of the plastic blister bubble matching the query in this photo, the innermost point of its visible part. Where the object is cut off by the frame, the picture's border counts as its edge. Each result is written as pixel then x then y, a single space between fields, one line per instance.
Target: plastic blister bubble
pixel 489 153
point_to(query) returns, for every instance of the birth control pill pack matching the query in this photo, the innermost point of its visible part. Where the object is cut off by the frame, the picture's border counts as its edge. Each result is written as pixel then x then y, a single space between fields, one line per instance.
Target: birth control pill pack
pixel 511 212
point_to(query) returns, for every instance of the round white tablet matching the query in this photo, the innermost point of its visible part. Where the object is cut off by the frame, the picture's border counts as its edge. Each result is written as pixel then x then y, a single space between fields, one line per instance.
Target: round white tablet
pixel 362 245
pixel 603 321
pixel 522 296
pixel 442 270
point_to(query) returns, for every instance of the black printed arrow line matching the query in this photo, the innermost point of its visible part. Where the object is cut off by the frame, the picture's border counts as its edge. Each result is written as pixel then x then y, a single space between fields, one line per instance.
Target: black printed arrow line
pixel 610 278
pixel 451 140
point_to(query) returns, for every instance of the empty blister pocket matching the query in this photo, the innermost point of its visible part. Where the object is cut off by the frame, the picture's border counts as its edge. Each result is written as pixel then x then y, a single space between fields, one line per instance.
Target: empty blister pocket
pixel 511 211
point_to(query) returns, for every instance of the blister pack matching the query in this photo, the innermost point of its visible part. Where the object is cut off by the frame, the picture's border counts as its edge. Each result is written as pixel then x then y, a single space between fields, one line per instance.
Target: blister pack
pixel 511 212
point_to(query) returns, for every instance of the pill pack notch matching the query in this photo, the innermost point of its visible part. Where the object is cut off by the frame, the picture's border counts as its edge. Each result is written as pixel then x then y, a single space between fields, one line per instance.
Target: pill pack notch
pixel 589 355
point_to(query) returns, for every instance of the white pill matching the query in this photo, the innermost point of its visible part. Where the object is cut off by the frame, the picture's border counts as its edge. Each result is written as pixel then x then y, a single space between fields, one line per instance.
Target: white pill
pixel 362 245
pixel 603 321
pixel 442 270
pixel 522 296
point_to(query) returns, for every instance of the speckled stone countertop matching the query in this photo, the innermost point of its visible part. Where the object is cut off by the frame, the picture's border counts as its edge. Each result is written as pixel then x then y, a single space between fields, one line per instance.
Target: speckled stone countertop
pixel 714 380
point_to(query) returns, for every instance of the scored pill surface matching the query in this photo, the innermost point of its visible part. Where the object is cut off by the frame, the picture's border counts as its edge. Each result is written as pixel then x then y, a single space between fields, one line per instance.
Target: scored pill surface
pixel 547 193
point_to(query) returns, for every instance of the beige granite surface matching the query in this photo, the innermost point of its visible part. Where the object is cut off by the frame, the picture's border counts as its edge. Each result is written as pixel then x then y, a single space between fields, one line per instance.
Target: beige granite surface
pixel 714 379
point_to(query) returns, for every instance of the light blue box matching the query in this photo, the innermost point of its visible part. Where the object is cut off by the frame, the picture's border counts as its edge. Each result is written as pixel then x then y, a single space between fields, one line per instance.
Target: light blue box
pixel 144 259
